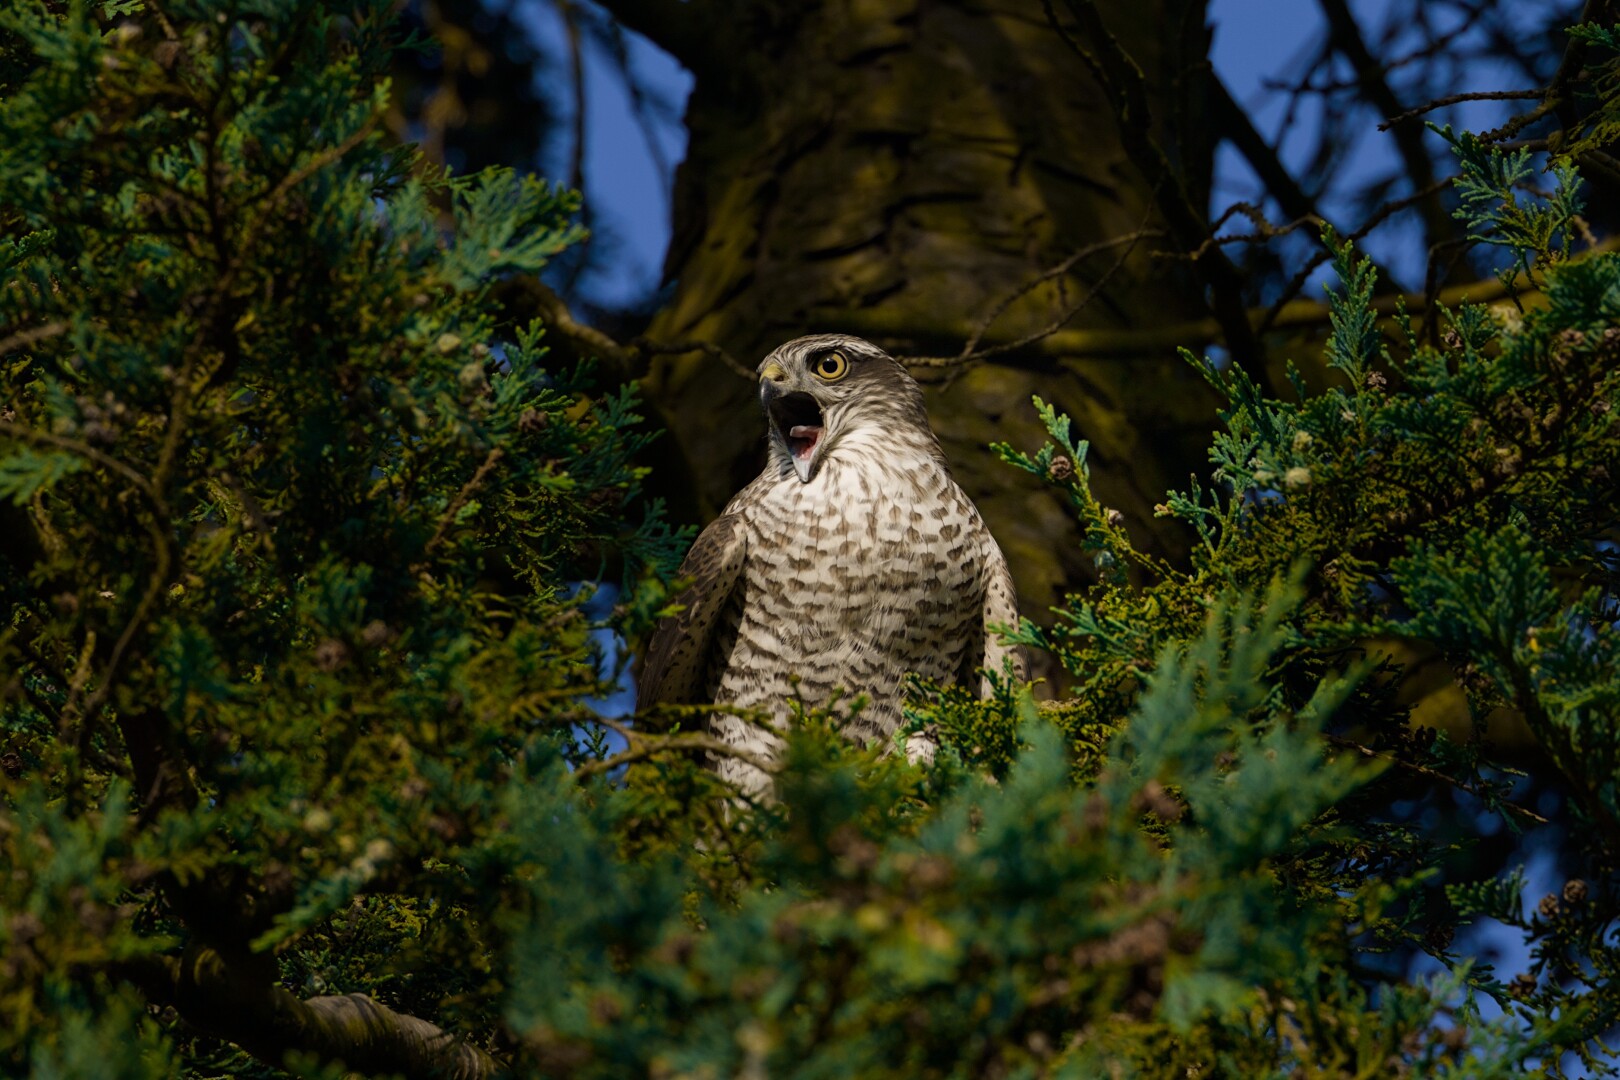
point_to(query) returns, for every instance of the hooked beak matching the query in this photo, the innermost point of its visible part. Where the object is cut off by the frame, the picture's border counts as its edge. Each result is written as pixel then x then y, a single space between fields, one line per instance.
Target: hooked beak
pixel 796 420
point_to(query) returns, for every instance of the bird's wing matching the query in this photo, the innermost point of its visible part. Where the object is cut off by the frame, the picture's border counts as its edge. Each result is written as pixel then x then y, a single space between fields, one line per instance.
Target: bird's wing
pixel 1000 609
pixel 679 650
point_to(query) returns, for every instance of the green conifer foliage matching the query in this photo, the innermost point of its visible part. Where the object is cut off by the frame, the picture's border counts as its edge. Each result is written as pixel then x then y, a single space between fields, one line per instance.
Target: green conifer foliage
pixel 301 772
pixel 288 530
pixel 1453 489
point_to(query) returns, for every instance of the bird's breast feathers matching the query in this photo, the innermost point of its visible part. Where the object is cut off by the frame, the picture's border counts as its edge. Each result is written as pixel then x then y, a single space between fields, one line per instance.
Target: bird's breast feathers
pixel 871 550
pixel 851 560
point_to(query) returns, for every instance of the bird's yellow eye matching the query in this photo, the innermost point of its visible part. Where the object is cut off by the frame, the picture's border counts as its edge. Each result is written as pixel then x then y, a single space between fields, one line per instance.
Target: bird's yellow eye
pixel 832 367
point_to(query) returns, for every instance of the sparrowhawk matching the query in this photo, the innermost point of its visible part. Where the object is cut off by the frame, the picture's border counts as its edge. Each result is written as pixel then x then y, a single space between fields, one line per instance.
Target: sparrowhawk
pixel 852 559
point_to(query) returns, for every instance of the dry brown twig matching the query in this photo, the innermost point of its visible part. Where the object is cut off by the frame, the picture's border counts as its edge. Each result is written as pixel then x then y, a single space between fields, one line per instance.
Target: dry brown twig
pixel 1457 99
pixel 971 353
pixel 1125 86
pixel 1264 230
pixel 1057 271
pixel 1432 774
pixel 644 745
pixel 628 359
pixel 1379 216
pixel 644 347
pixel 476 481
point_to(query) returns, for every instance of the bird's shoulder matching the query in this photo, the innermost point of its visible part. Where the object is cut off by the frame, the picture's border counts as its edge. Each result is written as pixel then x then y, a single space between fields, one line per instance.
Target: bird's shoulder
pixel 678 650
pixel 721 542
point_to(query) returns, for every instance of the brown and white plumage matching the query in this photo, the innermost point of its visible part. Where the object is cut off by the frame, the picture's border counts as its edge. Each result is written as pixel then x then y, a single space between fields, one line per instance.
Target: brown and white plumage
pixel 852 559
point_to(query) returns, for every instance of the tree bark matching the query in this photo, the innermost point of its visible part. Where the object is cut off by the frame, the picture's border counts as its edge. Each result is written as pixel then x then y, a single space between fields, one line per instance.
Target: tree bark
pixel 897 168
pixel 241 1003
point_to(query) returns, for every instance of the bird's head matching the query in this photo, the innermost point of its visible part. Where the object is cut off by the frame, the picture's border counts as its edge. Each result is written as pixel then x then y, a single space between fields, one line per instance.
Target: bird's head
pixel 825 389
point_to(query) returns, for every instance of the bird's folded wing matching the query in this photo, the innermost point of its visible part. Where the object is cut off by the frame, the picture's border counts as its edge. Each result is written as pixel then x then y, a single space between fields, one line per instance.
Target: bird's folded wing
pixel 1000 609
pixel 679 650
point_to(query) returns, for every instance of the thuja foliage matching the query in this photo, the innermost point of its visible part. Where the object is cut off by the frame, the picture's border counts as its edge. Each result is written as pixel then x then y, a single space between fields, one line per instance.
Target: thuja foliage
pixel 1599 128
pixel 290 536
pixel 1452 490
pixel 301 769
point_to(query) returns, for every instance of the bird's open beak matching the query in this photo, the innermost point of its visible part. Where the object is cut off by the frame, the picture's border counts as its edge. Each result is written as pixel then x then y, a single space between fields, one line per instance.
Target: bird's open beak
pixel 796 419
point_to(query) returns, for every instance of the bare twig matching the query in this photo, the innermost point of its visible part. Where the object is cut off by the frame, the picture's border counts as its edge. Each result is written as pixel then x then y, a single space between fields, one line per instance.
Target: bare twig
pixel 1129 240
pixel 1556 97
pixel 83 449
pixel 1517 124
pixel 1383 213
pixel 1264 230
pixel 576 80
pixel 1123 82
pixel 644 745
pixel 647 347
pixel 76 684
pixel 587 339
pixel 686 29
pixel 1348 42
pixel 1432 774
pixel 448 518
pixel 1234 122
pixel 163 19
pixel 627 360
pixel 272 201
pixel 640 105
pixel 1596 161
pixel 576 153
pixel 1572 63
pixel 1294 315
pixel 1429 50
pixel 1457 99
pixel 650 746
pixel 1434 275
pixel 970 353
pixel 155 584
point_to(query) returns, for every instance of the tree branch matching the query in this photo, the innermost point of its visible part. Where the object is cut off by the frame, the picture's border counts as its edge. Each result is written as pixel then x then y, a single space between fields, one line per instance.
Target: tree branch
pixel 243 1005
pixel 971 352
pixel 24 338
pixel 1432 774
pixel 576 80
pixel 448 518
pixel 1122 81
pixel 1556 98
pixel 1347 40
pixel 1457 99
pixel 647 747
pixel 1233 122
pixel 628 360
pixel 1570 65
pixel 892 324
pixel 1121 343
pixel 553 311
pixel 1303 274
pixel 684 30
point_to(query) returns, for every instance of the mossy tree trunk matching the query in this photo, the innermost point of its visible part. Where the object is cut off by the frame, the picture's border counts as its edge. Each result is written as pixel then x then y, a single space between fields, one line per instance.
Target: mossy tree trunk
pixel 896 168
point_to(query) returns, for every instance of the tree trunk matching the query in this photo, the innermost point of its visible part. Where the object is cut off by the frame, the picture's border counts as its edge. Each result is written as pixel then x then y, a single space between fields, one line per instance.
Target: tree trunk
pixel 897 167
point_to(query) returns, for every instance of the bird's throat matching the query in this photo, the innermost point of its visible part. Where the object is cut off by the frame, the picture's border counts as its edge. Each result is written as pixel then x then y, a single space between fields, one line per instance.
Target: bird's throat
pixel 799 424
pixel 802 440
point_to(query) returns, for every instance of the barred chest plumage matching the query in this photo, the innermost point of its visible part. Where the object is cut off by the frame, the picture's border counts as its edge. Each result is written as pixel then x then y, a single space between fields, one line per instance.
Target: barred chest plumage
pixel 874 569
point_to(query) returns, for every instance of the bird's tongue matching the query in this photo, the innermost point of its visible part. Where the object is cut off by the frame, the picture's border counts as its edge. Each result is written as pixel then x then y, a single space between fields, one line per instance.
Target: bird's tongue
pixel 803 438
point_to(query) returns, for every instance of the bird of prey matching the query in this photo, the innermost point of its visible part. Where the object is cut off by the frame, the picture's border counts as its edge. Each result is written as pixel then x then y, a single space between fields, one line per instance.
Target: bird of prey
pixel 852 559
